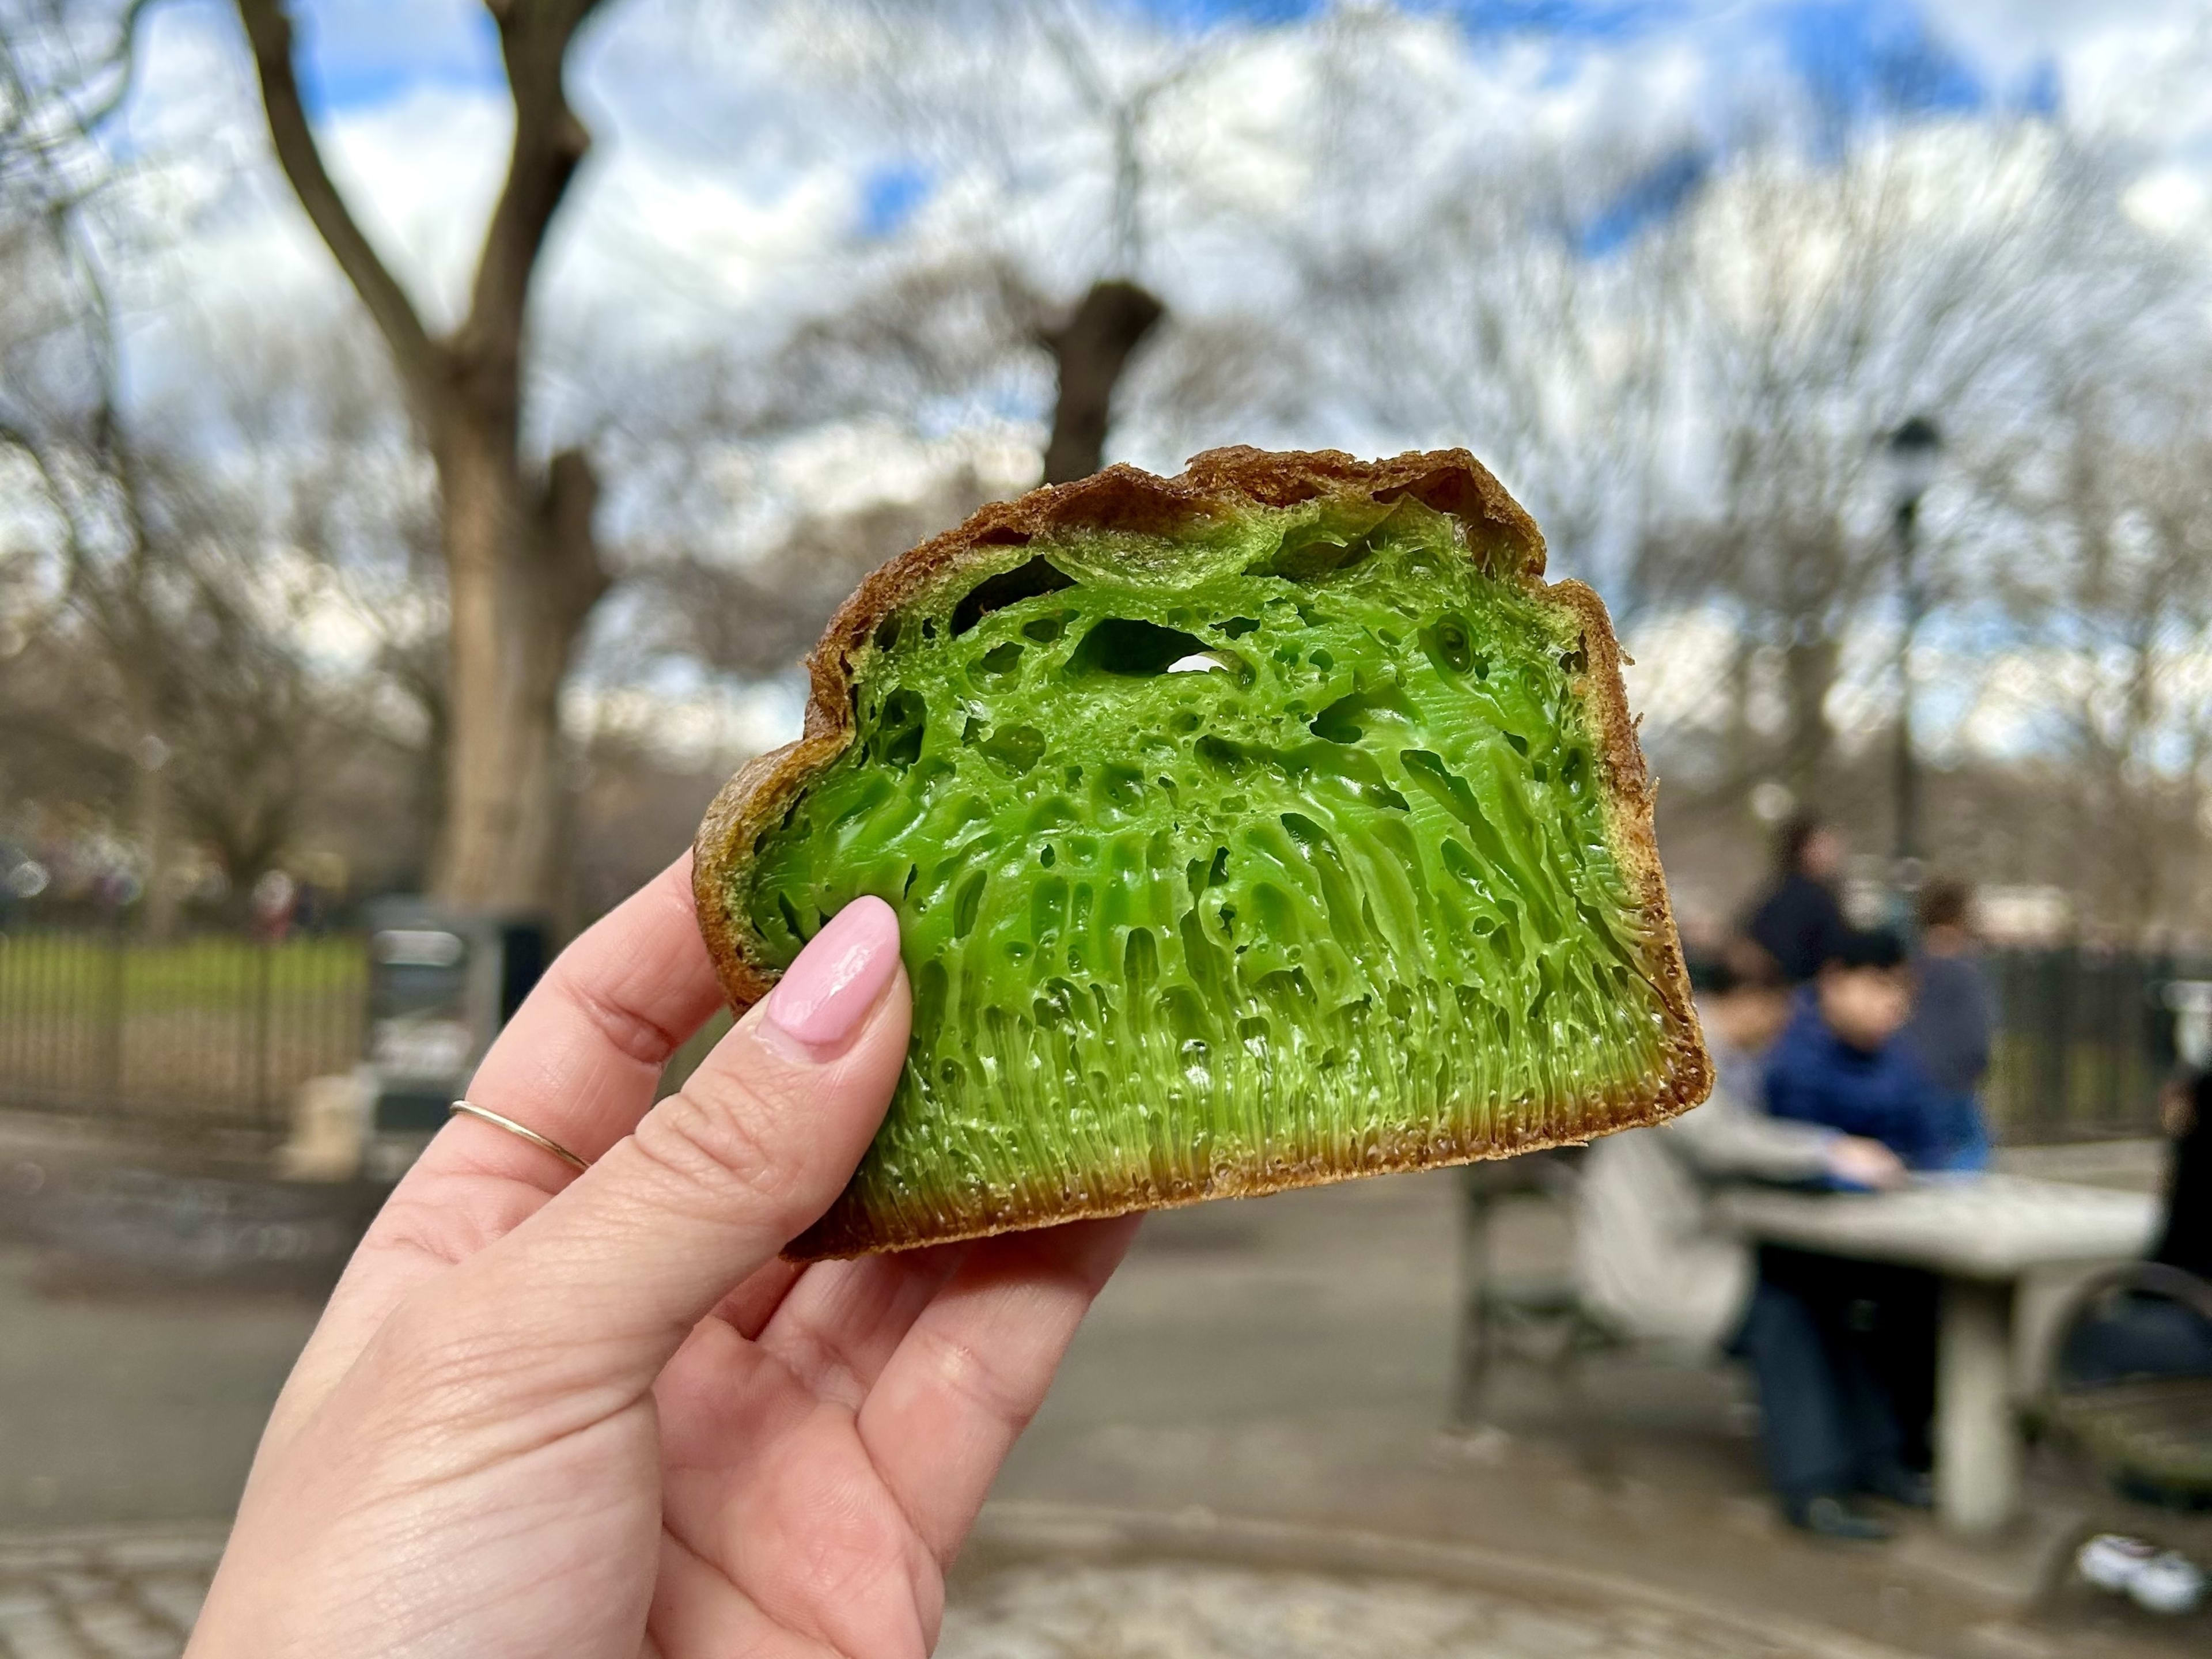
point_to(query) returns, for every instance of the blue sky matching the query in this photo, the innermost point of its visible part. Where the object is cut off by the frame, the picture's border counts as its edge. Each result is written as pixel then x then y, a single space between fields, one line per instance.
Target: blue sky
pixel 361 53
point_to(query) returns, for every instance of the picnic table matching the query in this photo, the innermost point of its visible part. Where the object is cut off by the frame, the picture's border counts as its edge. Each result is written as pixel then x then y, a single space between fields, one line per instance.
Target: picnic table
pixel 1982 1234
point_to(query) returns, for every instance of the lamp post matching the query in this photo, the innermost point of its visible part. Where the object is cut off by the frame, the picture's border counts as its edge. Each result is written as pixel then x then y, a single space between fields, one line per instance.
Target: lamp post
pixel 1912 451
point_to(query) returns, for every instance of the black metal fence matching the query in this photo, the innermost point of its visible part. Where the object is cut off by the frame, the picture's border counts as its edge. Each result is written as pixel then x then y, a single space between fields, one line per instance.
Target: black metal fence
pixel 223 1030
pixel 2086 1038
pixel 217 1029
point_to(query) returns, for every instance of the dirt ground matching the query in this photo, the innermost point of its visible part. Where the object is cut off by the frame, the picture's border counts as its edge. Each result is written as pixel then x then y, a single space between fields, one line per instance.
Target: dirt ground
pixel 1267 1376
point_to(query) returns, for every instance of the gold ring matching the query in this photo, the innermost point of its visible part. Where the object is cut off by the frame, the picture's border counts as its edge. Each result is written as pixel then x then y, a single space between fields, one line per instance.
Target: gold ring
pixel 514 1128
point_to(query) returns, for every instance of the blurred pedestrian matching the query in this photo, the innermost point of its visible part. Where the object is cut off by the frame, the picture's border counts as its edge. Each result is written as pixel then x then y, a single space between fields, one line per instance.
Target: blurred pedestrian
pixel 1952 1016
pixel 1800 922
pixel 270 901
pixel 2156 1323
pixel 2185 1241
pixel 1654 1260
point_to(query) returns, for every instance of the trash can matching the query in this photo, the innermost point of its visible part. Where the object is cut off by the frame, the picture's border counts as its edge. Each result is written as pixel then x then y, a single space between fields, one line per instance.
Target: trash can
pixel 441 983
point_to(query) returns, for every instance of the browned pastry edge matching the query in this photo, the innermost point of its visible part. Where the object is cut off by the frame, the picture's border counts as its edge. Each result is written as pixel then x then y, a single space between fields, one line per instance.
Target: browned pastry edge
pixel 1216 483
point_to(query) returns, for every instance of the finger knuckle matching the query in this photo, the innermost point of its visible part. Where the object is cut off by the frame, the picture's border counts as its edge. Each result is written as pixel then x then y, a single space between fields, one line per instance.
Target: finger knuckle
pixel 716 1140
pixel 967 1373
pixel 626 1029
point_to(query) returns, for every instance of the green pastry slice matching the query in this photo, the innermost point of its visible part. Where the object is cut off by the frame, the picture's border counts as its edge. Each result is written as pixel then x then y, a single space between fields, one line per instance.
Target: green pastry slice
pixel 1272 824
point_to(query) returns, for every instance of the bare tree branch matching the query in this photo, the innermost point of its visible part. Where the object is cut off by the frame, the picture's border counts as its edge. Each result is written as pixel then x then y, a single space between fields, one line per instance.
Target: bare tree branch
pixel 123 62
pixel 269 31
pixel 550 143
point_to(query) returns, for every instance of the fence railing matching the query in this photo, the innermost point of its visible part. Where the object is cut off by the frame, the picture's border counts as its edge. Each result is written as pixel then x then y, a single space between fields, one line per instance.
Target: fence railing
pixel 220 1029
pixel 223 1030
pixel 2084 1041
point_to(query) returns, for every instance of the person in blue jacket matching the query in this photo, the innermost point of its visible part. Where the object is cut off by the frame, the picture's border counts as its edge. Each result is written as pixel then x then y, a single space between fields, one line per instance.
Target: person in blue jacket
pixel 1842 1063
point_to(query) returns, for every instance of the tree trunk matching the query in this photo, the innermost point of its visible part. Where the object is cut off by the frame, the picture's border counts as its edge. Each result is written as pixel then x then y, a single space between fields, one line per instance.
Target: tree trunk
pixel 1090 351
pixel 1809 673
pixel 518 600
pixel 522 570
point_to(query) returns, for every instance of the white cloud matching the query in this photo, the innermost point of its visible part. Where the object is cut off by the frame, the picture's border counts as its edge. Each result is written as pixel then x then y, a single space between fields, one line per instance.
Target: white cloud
pixel 420 174
pixel 694 727
pixel 1680 675
pixel 850 467
pixel 2170 199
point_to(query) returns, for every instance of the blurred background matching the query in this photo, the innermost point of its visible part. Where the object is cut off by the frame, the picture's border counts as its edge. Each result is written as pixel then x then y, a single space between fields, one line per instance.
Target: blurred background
pixel 418 481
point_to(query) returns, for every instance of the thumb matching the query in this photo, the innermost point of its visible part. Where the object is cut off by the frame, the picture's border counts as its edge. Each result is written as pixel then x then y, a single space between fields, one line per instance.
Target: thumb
pixel 601 1286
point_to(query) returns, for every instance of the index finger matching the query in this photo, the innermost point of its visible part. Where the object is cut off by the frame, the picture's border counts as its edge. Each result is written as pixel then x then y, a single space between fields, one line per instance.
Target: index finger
pixel 581 1058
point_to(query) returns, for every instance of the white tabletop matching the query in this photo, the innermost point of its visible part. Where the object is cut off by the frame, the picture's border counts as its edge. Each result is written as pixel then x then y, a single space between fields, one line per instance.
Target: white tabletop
pixel 1986 1226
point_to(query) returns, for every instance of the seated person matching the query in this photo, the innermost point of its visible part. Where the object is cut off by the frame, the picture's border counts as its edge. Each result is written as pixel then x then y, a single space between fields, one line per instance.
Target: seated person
pixel 1652 1259
pixel 1952 1016
pixel 2161 1329
pixel 2143 1335
pixel 1840 1062
pixel 2185 1240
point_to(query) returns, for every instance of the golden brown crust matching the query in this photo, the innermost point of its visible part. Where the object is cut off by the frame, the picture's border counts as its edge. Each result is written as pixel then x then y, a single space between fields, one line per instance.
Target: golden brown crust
pixel 1216 484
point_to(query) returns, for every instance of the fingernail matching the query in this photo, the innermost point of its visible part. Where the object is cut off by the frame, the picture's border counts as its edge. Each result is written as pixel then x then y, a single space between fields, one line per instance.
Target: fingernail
pixel 824 996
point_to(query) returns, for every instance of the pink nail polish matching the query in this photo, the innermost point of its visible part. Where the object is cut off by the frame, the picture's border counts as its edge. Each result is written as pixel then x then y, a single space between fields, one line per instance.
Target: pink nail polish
pixel 824 996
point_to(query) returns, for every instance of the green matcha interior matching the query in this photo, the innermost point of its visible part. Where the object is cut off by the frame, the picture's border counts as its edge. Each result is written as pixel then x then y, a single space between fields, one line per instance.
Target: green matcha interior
pixel 1264 853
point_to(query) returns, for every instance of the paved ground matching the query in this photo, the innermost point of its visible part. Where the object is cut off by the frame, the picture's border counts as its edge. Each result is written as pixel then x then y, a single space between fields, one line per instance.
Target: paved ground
pixel 1290 1359
pixel 111 1593
pixel 1281 1364
pixel 133 1594
pixel 1181 1610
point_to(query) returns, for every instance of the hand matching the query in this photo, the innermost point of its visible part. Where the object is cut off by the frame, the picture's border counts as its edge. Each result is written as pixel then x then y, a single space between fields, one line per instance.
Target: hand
pixel 1858 1162
pixel 595 1414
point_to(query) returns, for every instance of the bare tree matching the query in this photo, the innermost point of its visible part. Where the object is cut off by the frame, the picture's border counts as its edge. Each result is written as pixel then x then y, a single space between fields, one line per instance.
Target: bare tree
pixel 523 570
pixel 1456 284
pixel 327 473
pixel 90 538
pixel 983 90
pixel 157 594
pixel 1825 304
pixel 753 620
pixel 2113 508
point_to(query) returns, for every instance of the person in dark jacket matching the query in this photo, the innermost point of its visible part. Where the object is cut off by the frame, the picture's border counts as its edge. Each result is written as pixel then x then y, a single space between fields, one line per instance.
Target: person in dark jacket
pixel 1800 923
pixel 2158 1336
pixel 1952 1017
pixel 1841 1062
pixel 2185 1241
